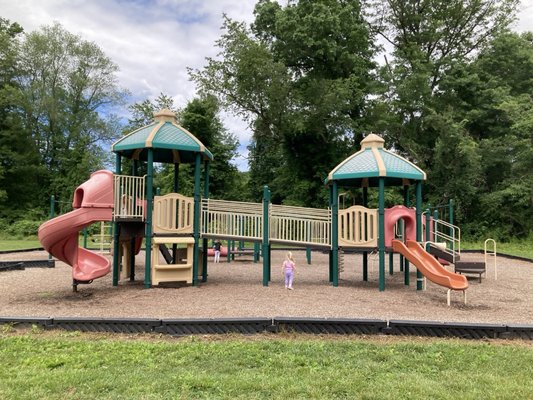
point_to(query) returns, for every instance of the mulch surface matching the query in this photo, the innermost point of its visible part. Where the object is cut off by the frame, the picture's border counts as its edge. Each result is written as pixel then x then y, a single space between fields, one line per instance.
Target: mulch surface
pixel 235 290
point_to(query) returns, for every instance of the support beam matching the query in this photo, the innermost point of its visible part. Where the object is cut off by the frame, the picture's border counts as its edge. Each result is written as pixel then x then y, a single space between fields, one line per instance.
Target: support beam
pixel 266 244
pixel 381 229
pixel 116 228
pixel 365 254
pixel 335 234
pixel 204 240
pixel 149 210
pixel 419 278
pixel 196 217
pixel 407 203
pixel 176 187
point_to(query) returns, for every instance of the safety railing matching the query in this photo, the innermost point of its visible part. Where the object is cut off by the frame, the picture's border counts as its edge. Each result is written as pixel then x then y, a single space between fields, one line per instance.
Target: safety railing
pixel 491 253
pixel 450 235
pixel 301 225
pixel 129 197
pixel 232 219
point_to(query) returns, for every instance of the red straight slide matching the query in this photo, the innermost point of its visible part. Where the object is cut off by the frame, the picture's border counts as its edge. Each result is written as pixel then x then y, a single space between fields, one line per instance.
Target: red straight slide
pixel 93 202
pixel 429 265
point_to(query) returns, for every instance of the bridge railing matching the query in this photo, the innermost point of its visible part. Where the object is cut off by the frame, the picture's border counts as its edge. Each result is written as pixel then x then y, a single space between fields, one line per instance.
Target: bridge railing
pixel 300 225
pixel 233 219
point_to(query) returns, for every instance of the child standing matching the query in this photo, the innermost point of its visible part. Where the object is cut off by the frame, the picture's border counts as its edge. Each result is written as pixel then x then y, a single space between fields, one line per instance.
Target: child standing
pixel 217 247
pixel 288 268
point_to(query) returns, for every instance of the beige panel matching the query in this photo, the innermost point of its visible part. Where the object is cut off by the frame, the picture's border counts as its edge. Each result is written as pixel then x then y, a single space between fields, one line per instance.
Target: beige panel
pixel 173 213
pixel 358 226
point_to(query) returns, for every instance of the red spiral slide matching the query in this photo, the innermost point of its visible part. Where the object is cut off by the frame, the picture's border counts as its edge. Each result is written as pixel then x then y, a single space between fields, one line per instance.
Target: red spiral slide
pixel 93 202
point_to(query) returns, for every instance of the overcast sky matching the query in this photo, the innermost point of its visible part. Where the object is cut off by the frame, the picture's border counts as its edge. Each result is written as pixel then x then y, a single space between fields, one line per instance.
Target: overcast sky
pixel 154 41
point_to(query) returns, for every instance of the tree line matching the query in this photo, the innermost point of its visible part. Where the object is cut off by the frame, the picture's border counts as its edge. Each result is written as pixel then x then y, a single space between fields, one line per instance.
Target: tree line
pixel 447 84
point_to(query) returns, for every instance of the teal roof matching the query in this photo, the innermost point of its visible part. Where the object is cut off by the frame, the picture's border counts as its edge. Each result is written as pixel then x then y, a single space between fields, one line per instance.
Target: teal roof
pixel 373 162
pixel 170 142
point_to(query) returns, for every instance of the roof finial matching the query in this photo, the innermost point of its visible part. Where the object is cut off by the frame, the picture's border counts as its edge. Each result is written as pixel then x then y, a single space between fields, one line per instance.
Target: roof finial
pixel 165 115
pixel 371 141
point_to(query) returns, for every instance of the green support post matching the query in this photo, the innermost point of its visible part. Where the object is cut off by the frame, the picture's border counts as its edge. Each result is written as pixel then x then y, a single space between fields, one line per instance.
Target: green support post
pixel 266 244
pixel 381 238
pixel 176 187
pixel 308 254
pixel 148 228
pixel 85 234
pixel 365 254
pixel 204 240
pixel 134 170
pixel 256 252
pixel 132 259
pixel 330 255
pixel 335 234
pixel 116 228
pixel 196 218
pixel 391 262
pixel 419 277
pixel 428 226
pixel 52 213
pixel 450 220
pixel 407 203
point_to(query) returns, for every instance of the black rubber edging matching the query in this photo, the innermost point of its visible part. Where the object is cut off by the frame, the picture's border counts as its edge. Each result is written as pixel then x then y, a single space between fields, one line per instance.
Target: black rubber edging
pixel 179 327
pixel 11 266
pixel 339 326
pixel 26 322
pixel 114 325
pixel 21 265
pixel 447 329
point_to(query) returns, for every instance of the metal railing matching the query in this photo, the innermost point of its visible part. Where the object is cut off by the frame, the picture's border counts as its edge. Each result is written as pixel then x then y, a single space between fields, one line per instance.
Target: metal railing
pixel 449 234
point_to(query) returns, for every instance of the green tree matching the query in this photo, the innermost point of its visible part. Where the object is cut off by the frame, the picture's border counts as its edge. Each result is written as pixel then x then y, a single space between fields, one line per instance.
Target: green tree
pixel 301 76
pixel 491 96
pixel 429 37
pixel 20 170
pixel 66 90
pixel 142 113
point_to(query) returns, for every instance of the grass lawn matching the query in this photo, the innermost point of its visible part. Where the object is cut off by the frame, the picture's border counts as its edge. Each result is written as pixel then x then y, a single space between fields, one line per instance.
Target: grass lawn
pixel 66 365
pixel 521 248
pixel 14 244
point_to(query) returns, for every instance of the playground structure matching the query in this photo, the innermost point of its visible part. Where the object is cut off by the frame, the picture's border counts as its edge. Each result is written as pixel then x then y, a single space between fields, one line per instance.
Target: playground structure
pixel 176 228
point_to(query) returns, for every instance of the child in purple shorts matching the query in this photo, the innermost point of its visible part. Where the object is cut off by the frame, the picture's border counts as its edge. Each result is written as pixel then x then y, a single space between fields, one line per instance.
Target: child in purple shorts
pixel 288 268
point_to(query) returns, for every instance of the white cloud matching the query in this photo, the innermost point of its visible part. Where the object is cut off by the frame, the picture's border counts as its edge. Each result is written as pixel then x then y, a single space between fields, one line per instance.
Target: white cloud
pixel 154 41
pixel 525 16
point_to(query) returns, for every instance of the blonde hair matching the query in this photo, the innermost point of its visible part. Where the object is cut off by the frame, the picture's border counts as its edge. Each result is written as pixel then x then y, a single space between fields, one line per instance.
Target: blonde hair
pixel 289 256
